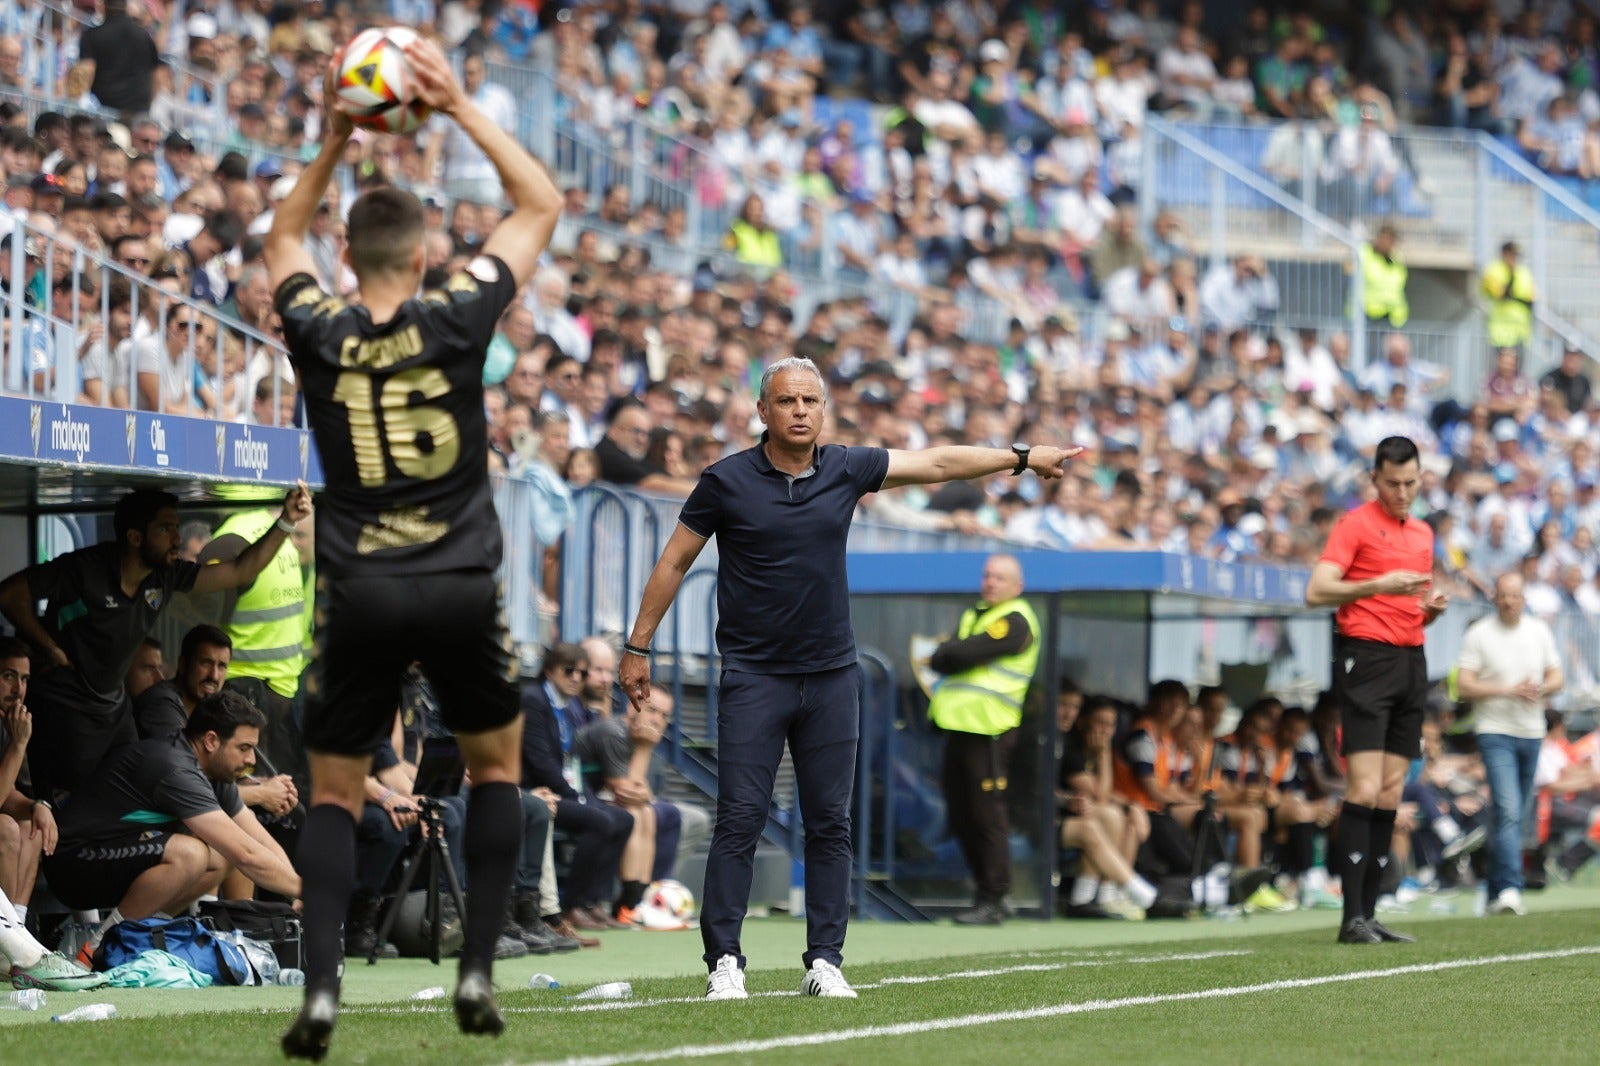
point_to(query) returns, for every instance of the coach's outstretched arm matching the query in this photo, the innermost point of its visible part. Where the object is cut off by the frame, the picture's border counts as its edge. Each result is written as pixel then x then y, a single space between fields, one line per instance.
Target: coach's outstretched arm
pixel 633 673
pixel 961 462
pixel 285 246
pixel 522 235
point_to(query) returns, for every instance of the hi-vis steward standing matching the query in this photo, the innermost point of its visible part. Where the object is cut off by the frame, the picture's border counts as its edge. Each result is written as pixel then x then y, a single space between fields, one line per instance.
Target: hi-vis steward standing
pixel 987 667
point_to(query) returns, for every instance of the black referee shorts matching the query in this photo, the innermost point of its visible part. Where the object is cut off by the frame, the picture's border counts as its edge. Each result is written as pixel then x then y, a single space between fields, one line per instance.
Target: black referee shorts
pixel 369 629
pixel 1382 691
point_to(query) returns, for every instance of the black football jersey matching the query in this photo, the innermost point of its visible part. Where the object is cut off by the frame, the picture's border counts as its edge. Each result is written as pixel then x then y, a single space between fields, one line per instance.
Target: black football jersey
pixel 397 412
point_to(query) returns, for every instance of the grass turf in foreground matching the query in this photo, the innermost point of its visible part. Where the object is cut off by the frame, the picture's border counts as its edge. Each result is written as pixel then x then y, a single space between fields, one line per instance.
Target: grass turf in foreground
pixel 1521 1010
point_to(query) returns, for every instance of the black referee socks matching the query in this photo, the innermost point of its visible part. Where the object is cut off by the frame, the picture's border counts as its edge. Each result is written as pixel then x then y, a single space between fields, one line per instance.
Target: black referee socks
pixel 1352 853
pixel 1382 838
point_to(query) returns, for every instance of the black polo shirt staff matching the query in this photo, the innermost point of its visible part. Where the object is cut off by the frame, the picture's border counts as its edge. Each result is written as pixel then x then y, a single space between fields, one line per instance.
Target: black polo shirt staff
pixel 781 514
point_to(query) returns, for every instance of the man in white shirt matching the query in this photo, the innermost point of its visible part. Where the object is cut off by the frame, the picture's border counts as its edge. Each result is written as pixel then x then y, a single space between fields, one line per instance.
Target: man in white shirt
pixel 1237 294
pixel 1508 666
pixel 1187 74
pixel 468 174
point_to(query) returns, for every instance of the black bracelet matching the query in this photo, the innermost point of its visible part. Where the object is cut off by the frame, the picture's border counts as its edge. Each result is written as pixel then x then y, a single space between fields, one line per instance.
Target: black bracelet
pixel 643 653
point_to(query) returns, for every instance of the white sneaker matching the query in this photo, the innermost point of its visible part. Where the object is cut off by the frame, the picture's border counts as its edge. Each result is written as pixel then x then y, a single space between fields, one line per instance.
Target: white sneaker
pixel 824 979
pixel 1509 901
pixel 727 980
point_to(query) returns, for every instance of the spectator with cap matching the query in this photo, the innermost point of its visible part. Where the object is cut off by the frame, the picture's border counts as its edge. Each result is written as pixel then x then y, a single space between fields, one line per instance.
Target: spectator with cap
pixel 175 171
pixel 1570 377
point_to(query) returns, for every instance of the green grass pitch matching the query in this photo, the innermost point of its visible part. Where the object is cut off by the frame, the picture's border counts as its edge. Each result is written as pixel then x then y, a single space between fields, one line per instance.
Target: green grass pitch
pixel 1268 989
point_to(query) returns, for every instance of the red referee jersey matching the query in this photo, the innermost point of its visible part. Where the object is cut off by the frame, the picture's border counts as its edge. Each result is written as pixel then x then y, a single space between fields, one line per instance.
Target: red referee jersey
pixel 1367 543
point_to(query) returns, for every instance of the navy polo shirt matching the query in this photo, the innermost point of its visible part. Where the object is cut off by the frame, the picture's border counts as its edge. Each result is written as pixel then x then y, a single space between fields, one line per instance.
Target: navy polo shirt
pixel 782 593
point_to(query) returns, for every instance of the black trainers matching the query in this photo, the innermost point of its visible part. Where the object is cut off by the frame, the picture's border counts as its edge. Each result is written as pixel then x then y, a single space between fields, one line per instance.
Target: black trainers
pixel 1357 931
pixel 476 1011
pixel 985 913
pixel 1385 933
pixel 1084 910
pixel 509 948
pixel 1169 907
pixel 308 1037
pixel 1243 883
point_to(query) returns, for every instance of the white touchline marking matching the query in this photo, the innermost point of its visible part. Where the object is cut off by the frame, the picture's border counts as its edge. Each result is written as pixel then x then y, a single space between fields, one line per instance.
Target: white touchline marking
pixel 920 979
pixel 968 1021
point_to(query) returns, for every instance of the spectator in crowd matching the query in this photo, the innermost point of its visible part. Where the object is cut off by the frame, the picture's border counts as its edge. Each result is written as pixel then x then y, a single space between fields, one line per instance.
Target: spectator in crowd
pixel 465 171
pixel 1238 293
pixel 1570 378
pixel 118 59
pixel 554 716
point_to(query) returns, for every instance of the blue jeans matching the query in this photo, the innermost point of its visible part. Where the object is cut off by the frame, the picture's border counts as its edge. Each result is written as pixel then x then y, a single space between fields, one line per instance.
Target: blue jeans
pixel 1509 763
pixel 818 714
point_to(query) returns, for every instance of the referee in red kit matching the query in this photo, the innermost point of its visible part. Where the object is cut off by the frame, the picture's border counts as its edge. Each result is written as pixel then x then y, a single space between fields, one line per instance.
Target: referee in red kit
pixel 1377 569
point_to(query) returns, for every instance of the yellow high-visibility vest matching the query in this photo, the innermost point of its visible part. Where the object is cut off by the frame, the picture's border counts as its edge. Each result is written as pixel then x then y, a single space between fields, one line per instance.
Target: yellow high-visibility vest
pixel 1384 288
pixel 987 699
pixel 1510 292
pixel 269 621
pixel 757 247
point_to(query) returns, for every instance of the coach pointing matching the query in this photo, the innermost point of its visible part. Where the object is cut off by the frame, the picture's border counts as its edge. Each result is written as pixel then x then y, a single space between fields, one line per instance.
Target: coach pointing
pixel 781 513
pixel 1377 569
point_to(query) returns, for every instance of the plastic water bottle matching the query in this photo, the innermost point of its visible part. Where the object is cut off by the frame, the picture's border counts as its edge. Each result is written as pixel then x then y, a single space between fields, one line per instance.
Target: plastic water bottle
pixel 610 990
pixel 94 1012
pixel 293 977
pixel 543 980
pixel 26 999
pixel 426 994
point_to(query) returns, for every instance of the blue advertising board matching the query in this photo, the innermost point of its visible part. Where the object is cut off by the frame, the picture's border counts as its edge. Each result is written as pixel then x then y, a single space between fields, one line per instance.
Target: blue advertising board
pixel 1053 571
pixel 39 433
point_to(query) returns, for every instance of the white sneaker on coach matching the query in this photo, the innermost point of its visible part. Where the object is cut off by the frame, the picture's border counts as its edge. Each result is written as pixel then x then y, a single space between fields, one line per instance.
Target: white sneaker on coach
pixel 824 979
pixel 1509 901
pixel 727 980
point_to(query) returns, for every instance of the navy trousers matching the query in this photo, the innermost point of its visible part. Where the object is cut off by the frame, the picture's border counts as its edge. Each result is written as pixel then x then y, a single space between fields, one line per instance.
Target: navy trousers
pixel 817 714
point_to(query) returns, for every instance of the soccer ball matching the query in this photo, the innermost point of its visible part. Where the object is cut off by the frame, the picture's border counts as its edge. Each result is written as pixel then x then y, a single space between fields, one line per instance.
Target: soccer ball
pixel 374 81
pixel 666 905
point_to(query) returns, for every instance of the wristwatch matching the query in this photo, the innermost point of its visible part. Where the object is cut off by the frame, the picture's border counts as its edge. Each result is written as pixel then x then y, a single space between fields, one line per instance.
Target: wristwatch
pixel 1021 451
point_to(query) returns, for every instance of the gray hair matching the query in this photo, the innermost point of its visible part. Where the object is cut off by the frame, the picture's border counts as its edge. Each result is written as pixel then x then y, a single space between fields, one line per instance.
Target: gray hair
pixel 794 362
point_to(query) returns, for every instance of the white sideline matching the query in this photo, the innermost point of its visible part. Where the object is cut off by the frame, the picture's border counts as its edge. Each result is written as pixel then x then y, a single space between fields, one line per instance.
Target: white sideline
pixel 968 1021
pixel 919 979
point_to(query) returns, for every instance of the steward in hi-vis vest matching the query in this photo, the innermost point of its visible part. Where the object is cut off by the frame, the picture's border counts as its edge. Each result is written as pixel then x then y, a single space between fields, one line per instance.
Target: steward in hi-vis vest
pixel 987 668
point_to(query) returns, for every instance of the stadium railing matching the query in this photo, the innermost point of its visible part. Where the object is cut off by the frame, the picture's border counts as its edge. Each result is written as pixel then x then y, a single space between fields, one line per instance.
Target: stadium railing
pixel 60 257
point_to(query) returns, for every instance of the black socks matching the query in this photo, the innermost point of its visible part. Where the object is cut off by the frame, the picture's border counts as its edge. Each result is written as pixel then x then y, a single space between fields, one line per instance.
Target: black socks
pixel 1382 837
pixel 327 865
pixel 493 838
pixel 1352 852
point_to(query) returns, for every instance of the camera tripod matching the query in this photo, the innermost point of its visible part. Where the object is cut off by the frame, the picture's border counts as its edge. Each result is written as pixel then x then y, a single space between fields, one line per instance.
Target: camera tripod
pixel 430 850
pixel 1207 836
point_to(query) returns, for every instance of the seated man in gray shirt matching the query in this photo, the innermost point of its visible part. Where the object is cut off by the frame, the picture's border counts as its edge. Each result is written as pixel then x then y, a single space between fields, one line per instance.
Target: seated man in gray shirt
pixel 161 822
pixel 614 757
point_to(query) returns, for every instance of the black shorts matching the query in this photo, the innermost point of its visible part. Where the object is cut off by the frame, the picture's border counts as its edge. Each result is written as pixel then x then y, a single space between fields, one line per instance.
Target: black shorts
pixel 370 629
pixel 1382 691
pixel 99 875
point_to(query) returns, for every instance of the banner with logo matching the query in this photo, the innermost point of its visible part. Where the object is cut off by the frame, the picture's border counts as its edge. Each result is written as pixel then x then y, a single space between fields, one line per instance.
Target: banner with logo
pixel 34 432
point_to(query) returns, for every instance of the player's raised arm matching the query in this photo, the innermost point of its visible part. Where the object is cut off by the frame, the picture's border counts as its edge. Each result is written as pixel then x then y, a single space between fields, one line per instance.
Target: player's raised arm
pixel 522 235
pixel 285 246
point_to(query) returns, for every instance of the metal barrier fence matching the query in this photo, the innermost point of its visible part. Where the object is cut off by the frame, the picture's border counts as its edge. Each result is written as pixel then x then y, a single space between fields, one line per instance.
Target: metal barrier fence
pixel 50 352
pixel 613 542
